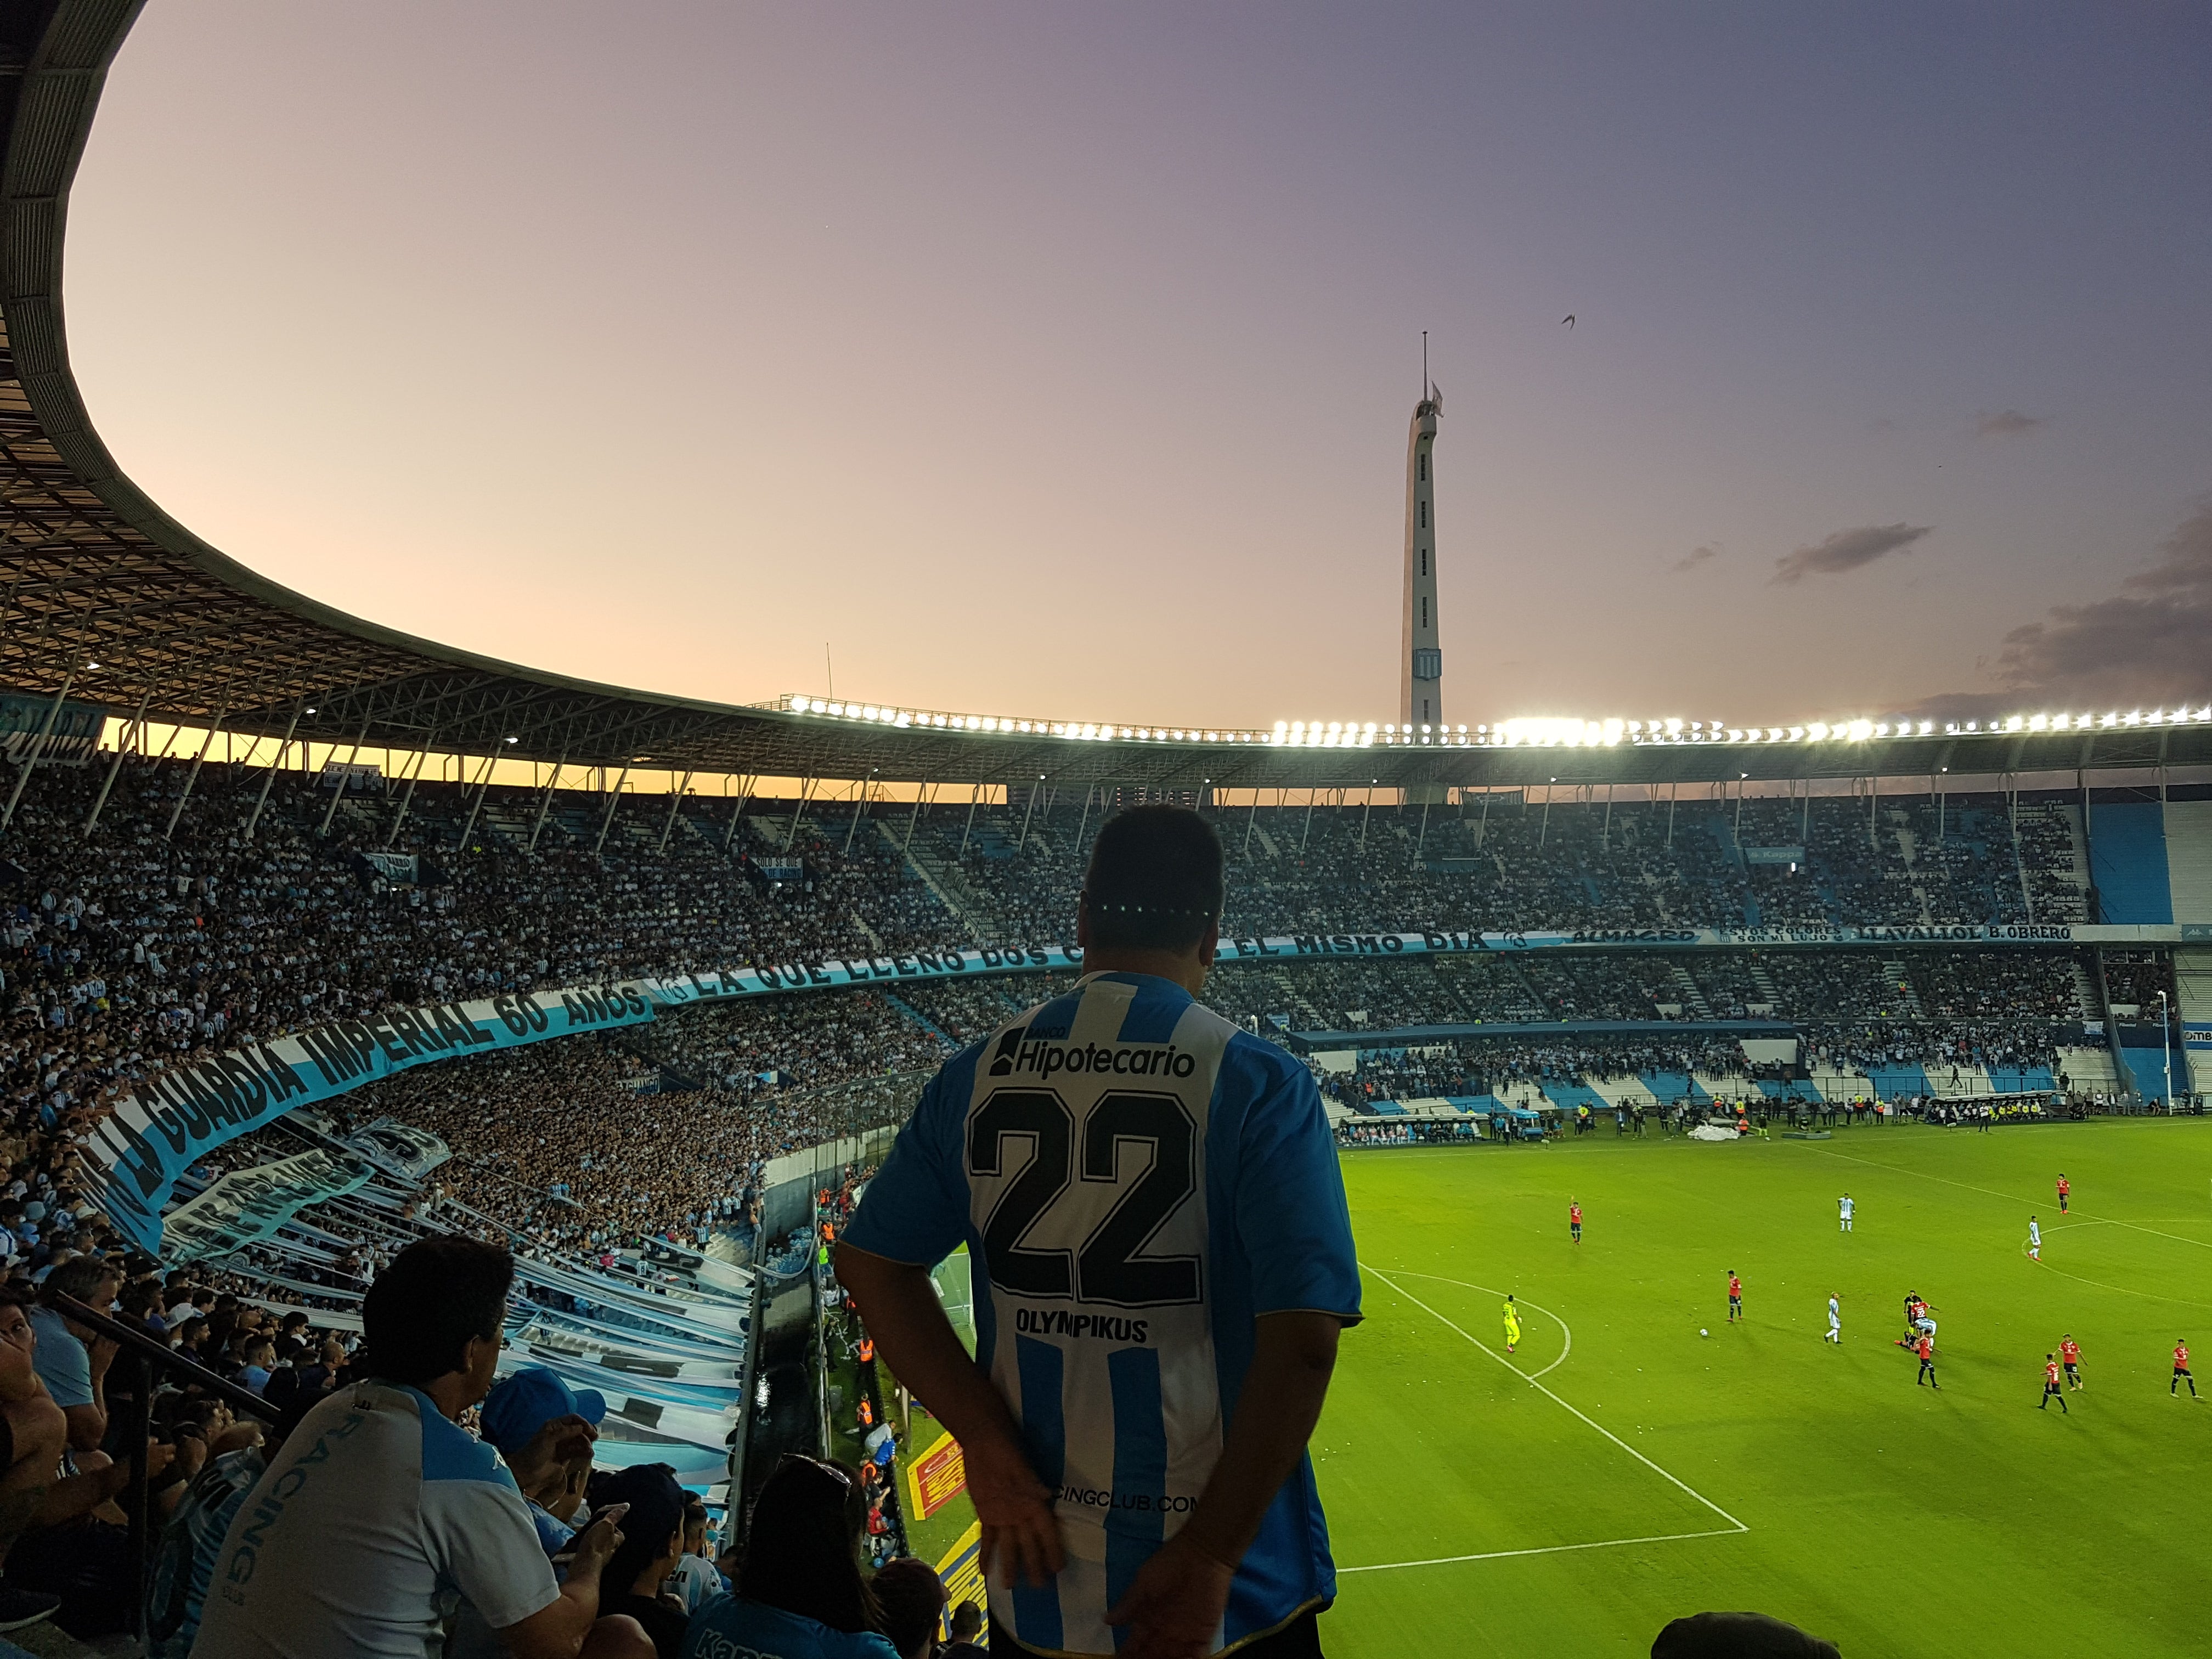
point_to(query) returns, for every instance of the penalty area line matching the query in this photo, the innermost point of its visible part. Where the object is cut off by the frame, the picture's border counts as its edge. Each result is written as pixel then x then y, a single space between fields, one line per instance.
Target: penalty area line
pixel 1734 1525
pixel 1551 1549
pixel 1991 1192
pixel 1566 1332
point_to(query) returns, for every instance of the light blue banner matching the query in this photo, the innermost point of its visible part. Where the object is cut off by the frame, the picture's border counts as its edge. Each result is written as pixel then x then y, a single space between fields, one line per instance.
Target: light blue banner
pixel 247 1205
pixel 183 1112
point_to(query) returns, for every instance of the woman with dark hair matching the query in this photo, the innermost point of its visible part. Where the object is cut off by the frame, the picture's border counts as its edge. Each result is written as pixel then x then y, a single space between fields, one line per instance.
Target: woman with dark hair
pixel 800 1595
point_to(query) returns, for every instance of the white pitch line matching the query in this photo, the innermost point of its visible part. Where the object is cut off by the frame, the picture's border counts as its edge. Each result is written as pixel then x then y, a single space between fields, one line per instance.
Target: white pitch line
pixel 1991 1192
pixel 1551 1549
pixel 1671 1480
pixel 1566 1333
pixel 2147 1296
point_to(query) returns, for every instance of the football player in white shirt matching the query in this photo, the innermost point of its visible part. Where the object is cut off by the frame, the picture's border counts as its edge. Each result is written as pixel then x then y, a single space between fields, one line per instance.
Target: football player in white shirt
pixel 1835 1321
pixel 1843 1213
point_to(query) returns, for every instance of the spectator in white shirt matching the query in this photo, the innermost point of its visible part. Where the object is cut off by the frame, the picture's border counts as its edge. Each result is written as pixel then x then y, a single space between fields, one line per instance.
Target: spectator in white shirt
pixel 382 1511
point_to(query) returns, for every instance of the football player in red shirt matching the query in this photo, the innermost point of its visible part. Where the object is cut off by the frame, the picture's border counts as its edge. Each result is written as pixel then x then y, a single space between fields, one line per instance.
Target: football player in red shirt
pixel 2070 1352
pixel 1735 1299
pixel 2050 1388
pixel 2065 1187
pixel 2181 1369
pixel 1926 1349
pixel 1575 1220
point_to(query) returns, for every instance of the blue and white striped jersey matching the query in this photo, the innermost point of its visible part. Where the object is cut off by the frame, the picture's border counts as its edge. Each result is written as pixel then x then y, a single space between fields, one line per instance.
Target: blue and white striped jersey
pixel 1137 1181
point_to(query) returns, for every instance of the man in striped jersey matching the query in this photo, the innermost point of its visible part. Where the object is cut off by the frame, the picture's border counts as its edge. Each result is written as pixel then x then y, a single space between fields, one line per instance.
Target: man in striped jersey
pixel 1152 1202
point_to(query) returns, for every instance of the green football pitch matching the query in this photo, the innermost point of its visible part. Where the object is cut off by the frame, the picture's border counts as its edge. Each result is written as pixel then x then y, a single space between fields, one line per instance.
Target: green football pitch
pixel 1618 1469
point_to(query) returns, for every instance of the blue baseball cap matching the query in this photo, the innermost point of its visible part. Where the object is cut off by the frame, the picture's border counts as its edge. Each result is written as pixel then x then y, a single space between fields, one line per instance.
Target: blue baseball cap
pixel 525 1402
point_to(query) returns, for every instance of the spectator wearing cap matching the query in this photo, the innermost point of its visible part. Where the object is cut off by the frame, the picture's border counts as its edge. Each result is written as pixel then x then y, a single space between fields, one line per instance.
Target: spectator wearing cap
pixel 382 1510
pixel 912 1597
pixel 652 1543
pixel 799 1593
pixel 545 1430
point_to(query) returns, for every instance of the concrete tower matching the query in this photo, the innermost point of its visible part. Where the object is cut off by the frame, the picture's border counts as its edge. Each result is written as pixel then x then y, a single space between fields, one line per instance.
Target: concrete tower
pixel 1421 672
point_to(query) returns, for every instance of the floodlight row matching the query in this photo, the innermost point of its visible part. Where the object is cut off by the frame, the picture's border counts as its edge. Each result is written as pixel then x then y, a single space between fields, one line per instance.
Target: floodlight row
pixel 1534 731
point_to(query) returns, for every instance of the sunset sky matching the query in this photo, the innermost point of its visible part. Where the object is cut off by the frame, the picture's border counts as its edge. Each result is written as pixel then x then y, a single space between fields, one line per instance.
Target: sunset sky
pixel 1057 361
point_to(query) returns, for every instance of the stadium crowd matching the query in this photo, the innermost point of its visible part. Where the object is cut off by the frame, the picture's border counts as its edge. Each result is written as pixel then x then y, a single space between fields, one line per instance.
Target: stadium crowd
pixel 167 932
pixel 170 932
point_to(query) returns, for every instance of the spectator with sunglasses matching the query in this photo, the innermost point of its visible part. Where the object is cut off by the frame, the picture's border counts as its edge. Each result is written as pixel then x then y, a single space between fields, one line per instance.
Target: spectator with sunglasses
pixel 382 1512
pixel 801 1595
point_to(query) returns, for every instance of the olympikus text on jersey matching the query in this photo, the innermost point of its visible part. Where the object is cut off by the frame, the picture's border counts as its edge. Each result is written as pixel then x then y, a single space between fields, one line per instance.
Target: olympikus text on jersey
pixel 1136 1181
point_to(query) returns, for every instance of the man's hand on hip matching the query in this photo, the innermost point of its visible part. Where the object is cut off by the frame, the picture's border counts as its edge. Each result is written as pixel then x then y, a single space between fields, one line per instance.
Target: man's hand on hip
pixel 1175 1604
pixel 1016 1509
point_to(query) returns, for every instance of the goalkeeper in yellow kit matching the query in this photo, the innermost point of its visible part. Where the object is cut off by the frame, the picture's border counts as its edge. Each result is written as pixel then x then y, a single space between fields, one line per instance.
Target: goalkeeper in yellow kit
pixel 1512 1324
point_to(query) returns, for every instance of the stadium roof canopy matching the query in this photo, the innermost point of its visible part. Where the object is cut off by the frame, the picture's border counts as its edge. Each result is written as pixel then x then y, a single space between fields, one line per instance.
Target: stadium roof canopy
pixel 108 596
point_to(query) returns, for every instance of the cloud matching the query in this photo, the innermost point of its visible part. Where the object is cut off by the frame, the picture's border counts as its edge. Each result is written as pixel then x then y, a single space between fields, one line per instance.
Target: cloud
pixel 2142 647
pixel 1846 550
pixel 1694 557
pixel 2006 423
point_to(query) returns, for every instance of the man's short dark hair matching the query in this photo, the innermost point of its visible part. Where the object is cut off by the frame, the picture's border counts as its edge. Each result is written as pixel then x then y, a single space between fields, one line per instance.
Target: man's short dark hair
pixel 912 1597
pixel 438 1294
pixel 79 1277
pixel 1738 1636
pixel 1155 880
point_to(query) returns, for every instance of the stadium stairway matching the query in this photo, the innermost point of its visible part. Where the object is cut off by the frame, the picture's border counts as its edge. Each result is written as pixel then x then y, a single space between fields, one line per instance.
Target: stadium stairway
pixel 908 1011
pixel 2091 1005
pixel 1898 983
pixel 1692 999
pixel 943 878
pixel 2089 1071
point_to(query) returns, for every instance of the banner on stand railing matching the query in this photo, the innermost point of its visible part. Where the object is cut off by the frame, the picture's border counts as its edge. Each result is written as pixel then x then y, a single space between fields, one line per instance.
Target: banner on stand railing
pixel 247 1205
pixel 180 1113
pixel 399 1149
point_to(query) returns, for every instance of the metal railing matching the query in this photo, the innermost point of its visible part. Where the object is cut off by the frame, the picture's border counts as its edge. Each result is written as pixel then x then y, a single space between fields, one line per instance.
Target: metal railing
pixel 145 1357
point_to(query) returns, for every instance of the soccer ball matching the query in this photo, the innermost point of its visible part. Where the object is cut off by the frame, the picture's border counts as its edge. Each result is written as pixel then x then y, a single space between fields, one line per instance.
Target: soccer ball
pixel 1702 1331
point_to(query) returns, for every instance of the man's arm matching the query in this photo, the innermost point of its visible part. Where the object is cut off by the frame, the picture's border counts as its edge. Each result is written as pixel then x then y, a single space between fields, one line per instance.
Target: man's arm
pixel 557 1630
pixel 1177 1601
pixel 88 1424
pixel 918 1344
pixel 81 1494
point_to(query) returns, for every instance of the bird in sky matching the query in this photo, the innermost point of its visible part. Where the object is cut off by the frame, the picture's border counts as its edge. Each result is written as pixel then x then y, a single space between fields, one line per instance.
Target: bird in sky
pixel 1569 319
